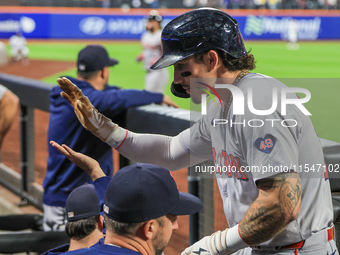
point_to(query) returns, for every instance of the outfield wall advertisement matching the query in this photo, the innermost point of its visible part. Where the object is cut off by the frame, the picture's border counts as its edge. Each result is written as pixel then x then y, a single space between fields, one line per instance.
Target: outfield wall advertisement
pixel 89 26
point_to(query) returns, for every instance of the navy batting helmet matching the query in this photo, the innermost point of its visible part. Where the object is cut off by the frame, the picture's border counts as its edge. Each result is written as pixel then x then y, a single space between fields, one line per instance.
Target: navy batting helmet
pixel 197 31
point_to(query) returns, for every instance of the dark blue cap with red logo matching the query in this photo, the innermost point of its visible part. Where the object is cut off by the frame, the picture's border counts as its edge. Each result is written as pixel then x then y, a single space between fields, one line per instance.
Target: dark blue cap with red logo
pixel 82 203
pixel 142 192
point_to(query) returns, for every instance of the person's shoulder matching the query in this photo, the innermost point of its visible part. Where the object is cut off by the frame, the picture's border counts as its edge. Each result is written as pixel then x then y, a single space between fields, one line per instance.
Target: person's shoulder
pixel 101 248
pixel 76 252
pixel 258 83
pixel 57 89
pixel 113 87
pixel 82 84
pixel 57 250
pixel 260 89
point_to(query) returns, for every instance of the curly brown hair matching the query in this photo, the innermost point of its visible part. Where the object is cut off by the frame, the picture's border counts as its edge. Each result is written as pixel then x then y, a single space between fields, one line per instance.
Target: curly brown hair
pixel 231 63
pixel 234 64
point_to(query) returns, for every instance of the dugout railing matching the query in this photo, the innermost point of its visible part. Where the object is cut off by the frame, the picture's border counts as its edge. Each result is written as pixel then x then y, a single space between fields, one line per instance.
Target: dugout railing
pixel 157 119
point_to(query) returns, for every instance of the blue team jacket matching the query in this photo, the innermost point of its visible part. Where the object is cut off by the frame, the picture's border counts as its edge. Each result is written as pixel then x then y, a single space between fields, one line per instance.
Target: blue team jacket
pixel 101 248
pixel 98 248
pixel 62 176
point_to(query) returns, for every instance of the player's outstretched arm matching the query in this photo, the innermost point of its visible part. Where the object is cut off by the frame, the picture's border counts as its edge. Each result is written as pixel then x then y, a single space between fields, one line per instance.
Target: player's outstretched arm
pixel 278 204
pixel 89 165
pixel 146 148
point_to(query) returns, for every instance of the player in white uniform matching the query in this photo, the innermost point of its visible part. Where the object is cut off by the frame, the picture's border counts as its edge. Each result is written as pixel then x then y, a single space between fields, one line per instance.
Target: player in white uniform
pixel 292 35
pixel 19 49
pixel 274 202
pixel 155 80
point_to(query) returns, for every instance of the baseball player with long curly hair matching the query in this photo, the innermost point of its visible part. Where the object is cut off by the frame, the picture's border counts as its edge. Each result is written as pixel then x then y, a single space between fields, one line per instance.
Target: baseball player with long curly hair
pixel 283 210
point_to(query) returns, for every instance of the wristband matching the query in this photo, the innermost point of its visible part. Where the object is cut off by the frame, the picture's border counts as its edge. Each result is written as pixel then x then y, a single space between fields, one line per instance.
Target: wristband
pixel 117 138
pixel 234 240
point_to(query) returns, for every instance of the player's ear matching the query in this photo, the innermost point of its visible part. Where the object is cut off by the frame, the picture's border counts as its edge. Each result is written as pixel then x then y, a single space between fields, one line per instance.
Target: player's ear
pixel 101 223
pixel 104 72
pixel 149 229
pixel 211 59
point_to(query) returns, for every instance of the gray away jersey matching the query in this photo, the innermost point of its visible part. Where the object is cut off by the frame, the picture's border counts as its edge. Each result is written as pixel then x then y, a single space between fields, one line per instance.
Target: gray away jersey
pixel 152 47
pixel 244 153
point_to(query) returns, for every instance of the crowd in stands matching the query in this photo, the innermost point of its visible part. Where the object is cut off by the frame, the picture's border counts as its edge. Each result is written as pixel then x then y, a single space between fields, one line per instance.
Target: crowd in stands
pixel 264 4
pixel 224 4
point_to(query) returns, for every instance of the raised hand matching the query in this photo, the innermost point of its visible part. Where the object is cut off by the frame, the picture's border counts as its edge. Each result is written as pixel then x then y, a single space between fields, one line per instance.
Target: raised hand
pixel 88 116
pixel 89 165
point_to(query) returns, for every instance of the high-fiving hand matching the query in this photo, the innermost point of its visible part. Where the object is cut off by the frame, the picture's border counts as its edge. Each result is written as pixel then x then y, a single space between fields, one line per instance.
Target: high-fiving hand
pixel 88 116
pixel 89 165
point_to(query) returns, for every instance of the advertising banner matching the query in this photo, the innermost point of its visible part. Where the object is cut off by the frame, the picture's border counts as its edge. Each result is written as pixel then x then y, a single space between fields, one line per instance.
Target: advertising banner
pixel 87 26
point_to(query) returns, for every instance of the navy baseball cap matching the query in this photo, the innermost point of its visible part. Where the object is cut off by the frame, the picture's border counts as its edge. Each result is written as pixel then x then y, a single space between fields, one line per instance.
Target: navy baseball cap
pixel 93 58
pixel 82 203
pixel 142 192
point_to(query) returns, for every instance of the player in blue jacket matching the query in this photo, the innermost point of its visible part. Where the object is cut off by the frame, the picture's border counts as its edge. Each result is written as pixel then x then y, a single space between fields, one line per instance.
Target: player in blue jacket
pixel 83 205
pixel 62 176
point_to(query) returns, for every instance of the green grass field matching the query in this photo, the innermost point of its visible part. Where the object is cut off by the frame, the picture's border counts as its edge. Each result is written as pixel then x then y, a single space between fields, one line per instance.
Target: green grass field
pixel 317 62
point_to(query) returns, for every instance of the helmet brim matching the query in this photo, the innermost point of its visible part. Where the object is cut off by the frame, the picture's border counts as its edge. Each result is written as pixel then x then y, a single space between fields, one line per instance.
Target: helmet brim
pixel 168 59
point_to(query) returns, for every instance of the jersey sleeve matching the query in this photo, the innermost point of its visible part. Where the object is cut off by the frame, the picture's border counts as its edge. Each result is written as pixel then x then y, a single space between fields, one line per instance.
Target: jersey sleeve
pixel 111 102
pixel 270 142
pixel 100 186
pixel 196 140
pixel 156 149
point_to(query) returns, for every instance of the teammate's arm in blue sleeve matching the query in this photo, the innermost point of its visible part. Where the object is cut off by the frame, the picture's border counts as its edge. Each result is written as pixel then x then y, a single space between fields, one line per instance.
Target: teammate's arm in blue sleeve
pixel 100 186
pixel 113 101
pixel 88 165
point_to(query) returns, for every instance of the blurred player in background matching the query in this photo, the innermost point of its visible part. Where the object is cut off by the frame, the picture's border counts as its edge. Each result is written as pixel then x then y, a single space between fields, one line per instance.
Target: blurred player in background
pixel 292 35
pixel 62 176
pixel 9 103
pixel 155 80
pixel 19 49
